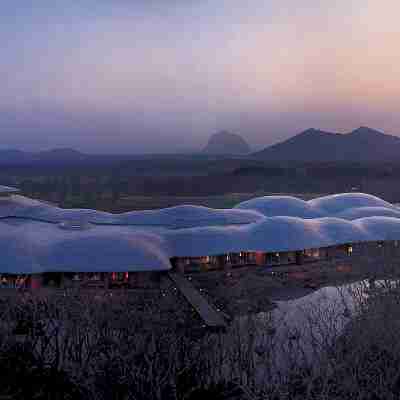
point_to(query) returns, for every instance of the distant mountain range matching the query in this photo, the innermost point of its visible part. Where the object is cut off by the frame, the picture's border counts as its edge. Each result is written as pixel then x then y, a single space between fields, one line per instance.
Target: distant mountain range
pixel 226 143
pixel 61 155
pixel 362 144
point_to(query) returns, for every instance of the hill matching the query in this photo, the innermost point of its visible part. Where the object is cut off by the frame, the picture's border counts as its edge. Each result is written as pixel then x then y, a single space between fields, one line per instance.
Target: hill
pixel 54 156
pixel 361 145
pixel 61 155
pixel 226 143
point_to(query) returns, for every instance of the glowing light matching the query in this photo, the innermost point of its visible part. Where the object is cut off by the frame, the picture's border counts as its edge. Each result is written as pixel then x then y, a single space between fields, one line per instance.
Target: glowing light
pixel 350 250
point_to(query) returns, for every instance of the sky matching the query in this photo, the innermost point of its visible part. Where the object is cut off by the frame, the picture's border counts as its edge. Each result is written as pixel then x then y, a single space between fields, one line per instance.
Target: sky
pixel 151 76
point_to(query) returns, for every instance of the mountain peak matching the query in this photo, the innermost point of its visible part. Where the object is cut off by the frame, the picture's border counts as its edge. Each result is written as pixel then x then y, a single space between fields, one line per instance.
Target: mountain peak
pixel 225 142
pixel 361 145
pixel 311 131
pixel 65 150
pixel 365 130
pixel 60 154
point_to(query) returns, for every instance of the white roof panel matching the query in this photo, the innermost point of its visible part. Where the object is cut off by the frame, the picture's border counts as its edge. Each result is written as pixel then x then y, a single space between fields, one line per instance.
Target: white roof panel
pixel 8 189
pixel 32 240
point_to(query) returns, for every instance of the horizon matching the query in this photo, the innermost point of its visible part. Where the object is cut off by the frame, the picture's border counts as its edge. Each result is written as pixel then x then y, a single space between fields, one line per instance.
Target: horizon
pixel 157 77
pixel 196 152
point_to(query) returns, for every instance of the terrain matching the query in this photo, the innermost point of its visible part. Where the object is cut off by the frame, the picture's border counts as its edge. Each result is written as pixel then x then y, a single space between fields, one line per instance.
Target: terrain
pixel 152 345
pixel 226 143
pixel 123 185
pixel 361 145
pixel 310 164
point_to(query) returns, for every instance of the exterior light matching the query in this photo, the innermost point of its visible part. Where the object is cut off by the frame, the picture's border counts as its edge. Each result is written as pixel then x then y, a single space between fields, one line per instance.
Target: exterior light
pixel 350 250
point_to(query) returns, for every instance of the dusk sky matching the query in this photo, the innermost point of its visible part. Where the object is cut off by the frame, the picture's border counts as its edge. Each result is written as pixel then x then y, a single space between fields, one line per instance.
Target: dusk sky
pixel 137 76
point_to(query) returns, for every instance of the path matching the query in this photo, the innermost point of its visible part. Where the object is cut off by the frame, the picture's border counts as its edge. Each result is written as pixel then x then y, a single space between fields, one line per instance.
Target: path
pixel 211 317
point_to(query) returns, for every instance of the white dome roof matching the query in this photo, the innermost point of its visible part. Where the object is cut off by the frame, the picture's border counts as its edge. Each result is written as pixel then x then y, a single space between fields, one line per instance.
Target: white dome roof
pixel 173 217
pixel 271 235
pixel 8 189
pixel 364 212
pixel 327 206
pixel 188 216
pixel 31 239
pixel 339 202
pixel 274 206
pixel 35 247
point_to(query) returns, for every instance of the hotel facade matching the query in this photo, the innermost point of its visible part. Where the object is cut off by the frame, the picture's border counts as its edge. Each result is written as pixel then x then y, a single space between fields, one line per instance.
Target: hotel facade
pixel 44 245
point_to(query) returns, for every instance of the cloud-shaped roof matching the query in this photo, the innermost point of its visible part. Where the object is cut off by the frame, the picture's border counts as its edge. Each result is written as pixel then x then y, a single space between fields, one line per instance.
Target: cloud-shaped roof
pixel 274 206
pixel 35 247
pixel 35 238
pixel 343 205
pixel 339 202
pixel 188 216
pixel 275 234
pixel 173 217
pixel 8 189
pixel 363 212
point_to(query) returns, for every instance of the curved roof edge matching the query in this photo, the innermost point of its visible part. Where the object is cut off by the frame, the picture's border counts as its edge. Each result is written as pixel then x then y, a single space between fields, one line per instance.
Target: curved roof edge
pixel 8 189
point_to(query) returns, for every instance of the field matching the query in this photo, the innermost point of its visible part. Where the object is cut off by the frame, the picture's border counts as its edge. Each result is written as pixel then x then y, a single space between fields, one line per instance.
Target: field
pixel 140 202
pixel 156 182
pixel 225 201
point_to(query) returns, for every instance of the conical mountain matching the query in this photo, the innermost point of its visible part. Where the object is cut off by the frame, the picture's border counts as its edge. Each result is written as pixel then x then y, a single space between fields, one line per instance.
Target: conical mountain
pixel 226 143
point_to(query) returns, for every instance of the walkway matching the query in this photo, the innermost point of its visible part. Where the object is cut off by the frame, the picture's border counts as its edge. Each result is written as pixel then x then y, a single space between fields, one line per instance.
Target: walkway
pixel 206 311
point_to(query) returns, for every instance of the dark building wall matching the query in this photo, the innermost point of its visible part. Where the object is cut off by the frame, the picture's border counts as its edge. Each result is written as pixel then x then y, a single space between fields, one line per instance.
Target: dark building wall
pixel 365 251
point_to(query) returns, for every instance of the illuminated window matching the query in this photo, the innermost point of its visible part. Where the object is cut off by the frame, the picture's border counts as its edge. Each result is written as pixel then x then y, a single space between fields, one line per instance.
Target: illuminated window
pixel 119 276
pixel 273 258
pixel 350 250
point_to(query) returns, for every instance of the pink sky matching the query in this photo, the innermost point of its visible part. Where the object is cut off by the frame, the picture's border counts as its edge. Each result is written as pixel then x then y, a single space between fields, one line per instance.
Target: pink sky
pixel 164 76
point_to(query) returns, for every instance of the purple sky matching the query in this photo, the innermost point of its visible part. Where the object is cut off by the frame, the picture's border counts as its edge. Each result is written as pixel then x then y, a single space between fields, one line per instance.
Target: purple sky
pixel 161 76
